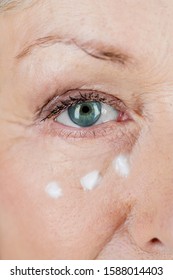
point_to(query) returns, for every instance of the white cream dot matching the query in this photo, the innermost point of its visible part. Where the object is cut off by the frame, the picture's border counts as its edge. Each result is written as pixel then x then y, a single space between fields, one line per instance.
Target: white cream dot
pixel 121 165
pixel 91 180
pixel 53 190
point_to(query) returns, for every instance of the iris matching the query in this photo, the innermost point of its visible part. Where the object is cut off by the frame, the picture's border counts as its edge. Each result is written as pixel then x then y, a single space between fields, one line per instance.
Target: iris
pixel 85 113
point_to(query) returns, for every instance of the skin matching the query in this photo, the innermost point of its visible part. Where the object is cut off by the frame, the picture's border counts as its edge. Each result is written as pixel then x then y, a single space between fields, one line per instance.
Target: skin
pixel 125 217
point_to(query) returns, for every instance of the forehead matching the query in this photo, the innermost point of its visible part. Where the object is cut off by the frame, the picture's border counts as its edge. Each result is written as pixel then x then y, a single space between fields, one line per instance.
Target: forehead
pixel 133 26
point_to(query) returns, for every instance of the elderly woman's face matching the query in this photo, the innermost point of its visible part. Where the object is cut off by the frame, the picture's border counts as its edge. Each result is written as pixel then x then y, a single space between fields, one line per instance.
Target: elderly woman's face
pixel 86 130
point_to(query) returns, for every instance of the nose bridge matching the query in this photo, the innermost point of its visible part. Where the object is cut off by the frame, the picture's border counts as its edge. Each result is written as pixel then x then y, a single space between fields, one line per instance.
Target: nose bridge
pixel 152 216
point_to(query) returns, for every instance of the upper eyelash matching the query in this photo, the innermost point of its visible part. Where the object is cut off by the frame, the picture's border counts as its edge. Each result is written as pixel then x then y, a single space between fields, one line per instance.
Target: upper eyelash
pixel 83 97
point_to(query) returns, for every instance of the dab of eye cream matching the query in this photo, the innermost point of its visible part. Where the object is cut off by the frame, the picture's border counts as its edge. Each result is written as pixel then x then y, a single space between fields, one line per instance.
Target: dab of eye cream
pixel 53 190
pixel 121 165
pixel 91 180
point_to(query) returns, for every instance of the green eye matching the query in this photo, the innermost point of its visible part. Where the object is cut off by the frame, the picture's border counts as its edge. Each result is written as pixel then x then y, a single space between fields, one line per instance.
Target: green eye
pixel 85 113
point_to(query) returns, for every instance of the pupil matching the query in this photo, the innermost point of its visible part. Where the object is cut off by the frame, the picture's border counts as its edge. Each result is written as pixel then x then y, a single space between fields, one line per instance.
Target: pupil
pixel 85 109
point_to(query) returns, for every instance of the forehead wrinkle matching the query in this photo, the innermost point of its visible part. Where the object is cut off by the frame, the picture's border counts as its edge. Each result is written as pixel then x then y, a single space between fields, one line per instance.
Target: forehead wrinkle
pixel 96 49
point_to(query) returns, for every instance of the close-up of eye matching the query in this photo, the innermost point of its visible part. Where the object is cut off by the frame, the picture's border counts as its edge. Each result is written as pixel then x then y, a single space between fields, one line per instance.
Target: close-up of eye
pixel 84 109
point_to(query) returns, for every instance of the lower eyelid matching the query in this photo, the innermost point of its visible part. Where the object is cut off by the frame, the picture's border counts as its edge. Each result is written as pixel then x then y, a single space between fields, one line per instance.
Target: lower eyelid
pixel 109 135
pixel 106 129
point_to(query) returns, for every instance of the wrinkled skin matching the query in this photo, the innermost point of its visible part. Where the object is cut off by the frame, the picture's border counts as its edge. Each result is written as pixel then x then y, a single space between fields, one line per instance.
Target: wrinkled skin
pixel 124 217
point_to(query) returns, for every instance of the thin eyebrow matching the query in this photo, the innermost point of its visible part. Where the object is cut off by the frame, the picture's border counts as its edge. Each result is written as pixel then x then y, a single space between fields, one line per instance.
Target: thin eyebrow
pixel 96 49
pixel 10 5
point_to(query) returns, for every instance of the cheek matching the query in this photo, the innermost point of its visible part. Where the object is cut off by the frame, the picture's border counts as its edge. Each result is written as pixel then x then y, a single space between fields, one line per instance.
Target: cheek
pixel 59 206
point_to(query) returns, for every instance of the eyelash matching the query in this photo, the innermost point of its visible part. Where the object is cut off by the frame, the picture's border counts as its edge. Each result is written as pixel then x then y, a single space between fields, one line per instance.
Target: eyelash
pixel 74 96
pixel 84 97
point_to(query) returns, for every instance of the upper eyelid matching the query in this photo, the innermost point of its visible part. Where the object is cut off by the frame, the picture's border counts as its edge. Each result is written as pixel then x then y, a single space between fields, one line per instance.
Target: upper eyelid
pixel 89 95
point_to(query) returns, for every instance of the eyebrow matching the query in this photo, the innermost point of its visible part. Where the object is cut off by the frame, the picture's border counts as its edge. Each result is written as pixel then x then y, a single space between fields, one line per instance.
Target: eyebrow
pixel 10 5
pixel 96 49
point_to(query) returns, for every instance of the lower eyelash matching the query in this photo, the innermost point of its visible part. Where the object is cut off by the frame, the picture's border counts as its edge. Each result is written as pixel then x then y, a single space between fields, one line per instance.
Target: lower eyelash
pixel 117 137
pixel 101 130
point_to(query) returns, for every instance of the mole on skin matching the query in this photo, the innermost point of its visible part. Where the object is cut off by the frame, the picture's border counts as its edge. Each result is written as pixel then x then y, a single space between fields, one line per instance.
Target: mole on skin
pixel 53 190
pixel 91 180
pixel 121 165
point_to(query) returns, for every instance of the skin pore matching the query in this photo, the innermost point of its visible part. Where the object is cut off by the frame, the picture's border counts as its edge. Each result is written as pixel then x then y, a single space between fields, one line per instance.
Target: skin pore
pixel 56 52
